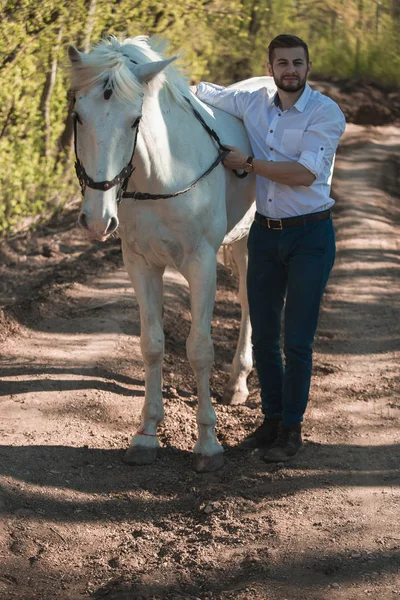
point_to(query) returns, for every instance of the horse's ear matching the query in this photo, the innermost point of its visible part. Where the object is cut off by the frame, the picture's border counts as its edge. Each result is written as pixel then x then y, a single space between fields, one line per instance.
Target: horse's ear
pixel 74 55
pixel 148 71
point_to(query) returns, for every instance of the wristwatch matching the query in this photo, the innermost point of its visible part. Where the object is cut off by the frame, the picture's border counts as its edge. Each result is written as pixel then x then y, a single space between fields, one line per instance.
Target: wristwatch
pixel 248 165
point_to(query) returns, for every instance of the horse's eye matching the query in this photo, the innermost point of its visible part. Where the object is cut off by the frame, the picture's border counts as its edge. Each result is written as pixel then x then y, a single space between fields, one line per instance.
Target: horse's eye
pixel 77 117
pixel 136 123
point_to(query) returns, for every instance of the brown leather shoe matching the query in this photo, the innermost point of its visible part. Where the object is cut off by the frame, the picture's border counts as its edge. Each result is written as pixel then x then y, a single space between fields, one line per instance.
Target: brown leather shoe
pixel 286 446
pixel 263 436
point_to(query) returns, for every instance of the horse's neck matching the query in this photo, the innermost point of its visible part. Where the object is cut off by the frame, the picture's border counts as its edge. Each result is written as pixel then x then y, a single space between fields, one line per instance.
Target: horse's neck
pixel 167 152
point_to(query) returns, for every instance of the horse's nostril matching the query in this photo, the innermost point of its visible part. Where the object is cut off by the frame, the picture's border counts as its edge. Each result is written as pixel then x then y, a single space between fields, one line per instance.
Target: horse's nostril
pixel 112 225
pixel 82 220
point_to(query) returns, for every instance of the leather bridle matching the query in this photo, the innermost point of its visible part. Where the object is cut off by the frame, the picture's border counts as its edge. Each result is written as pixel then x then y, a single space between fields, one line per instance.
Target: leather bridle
pixel 123 177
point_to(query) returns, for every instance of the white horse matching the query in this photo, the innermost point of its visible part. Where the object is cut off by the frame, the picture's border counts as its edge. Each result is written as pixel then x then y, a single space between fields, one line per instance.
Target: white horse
pixel 116 85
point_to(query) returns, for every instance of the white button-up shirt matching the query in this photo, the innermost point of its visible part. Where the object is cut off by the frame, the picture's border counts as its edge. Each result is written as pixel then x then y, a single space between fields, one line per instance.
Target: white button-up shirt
pixel 308 132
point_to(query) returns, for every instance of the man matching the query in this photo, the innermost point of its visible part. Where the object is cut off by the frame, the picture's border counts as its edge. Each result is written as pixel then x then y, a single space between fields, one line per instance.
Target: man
pixel 294 132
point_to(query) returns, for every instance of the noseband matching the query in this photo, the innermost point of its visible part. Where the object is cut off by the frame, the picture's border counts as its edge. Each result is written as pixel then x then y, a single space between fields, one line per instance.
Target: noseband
pixel 123 177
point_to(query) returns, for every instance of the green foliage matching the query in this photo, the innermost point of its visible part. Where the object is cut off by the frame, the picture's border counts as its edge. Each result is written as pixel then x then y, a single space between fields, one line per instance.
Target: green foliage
pixel 220 40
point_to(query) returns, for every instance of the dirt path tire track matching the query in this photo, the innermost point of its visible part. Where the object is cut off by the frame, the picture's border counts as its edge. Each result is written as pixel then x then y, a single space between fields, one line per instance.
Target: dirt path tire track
pixel 78 523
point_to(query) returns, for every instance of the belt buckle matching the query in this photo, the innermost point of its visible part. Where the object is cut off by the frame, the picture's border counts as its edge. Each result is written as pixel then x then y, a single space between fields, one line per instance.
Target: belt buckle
pixel 274 228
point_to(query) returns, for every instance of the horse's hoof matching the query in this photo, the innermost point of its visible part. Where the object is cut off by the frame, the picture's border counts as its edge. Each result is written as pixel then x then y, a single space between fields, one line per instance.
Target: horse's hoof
pixel 206 464
pixel 138 455
pixel 234 399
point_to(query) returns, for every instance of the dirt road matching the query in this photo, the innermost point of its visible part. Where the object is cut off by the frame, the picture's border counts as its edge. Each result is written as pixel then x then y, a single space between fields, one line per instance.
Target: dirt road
pixel 78 523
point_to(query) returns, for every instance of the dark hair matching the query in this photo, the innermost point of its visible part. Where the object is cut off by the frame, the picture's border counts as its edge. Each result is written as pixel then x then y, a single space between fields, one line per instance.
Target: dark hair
pixel 286 41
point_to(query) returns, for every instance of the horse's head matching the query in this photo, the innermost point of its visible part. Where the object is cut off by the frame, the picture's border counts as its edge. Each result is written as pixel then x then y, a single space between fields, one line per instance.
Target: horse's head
pixel 109 88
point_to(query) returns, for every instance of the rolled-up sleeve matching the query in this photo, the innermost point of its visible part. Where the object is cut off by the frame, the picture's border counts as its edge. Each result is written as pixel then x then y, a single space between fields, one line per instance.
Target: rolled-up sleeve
pixel 230 100
pixel 321 138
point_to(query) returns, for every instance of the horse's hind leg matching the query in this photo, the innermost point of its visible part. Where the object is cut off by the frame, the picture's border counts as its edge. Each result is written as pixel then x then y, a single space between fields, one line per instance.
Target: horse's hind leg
pixel 148 285
pixel 236 391
pixel 200 273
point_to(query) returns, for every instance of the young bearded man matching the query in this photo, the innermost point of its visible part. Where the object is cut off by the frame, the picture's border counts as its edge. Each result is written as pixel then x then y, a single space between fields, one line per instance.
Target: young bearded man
pixel 294 132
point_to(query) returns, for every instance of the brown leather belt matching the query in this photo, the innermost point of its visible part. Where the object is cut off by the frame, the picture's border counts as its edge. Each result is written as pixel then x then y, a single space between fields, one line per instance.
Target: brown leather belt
pixel 278 224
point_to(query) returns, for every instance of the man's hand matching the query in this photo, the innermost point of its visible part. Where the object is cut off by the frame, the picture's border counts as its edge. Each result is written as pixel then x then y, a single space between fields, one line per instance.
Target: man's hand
pixel 287 173
pixel 235 159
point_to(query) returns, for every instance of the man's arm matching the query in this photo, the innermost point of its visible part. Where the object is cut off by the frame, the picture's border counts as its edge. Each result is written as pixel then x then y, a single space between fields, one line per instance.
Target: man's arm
pixel 320 140
pixel 317 151
pixel 230 100
pixel 287 173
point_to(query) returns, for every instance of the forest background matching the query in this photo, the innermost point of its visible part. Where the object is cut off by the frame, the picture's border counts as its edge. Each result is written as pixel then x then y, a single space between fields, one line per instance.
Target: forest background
pixel 221 40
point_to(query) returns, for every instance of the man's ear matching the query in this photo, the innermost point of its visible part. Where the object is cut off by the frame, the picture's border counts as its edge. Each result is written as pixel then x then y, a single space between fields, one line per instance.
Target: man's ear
pixel 309 68
pixel 269 69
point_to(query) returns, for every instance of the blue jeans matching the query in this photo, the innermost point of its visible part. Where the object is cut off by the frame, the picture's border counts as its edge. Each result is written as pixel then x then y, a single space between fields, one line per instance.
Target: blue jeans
pixel 294 262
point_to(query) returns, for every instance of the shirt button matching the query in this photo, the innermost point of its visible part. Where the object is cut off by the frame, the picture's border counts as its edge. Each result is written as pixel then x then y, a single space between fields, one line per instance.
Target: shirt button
pixel 269 199
pixel 271 131
pixel 321 148
pixel 279 114
pixel 271 149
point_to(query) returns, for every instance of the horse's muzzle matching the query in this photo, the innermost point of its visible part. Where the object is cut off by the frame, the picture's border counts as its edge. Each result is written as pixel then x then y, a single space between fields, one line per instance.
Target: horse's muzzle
pixel 98 230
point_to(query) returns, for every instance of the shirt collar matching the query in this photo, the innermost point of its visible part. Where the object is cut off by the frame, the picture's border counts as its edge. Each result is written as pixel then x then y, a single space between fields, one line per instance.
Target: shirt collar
pixel 304 98
pixel 301 102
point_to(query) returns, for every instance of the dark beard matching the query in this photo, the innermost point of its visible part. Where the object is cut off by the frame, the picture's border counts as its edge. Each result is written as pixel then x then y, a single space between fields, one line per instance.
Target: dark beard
pixel 291 87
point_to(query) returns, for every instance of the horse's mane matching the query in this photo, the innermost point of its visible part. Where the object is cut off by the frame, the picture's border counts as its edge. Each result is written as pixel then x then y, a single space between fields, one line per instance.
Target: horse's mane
pixel 108 64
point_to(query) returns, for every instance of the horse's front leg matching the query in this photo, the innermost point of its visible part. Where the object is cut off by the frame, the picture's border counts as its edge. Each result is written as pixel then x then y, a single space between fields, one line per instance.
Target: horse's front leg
pixel 148 285
pixel 200 273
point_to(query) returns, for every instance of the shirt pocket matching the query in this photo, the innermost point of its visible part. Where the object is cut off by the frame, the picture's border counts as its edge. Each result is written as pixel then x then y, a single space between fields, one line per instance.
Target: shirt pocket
pixel 291 139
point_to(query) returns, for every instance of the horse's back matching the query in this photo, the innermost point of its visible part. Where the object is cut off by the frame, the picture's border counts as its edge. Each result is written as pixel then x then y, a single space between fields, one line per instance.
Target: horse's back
pixel 254 83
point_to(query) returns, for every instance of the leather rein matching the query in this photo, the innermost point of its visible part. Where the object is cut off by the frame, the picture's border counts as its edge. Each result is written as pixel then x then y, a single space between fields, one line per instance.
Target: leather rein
pixel 123 177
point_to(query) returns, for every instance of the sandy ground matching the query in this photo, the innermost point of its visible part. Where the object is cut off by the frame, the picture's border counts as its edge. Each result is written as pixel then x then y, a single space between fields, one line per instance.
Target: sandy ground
pixel 78 523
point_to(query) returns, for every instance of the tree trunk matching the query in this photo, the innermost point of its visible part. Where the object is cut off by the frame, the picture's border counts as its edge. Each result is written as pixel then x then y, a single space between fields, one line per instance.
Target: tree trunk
pixel 91 17
pixel 357 58
pixel 65 145
pixel 378 17
pixel 7 120
pixel 395 9
pixel 242 68
pixel 45 102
